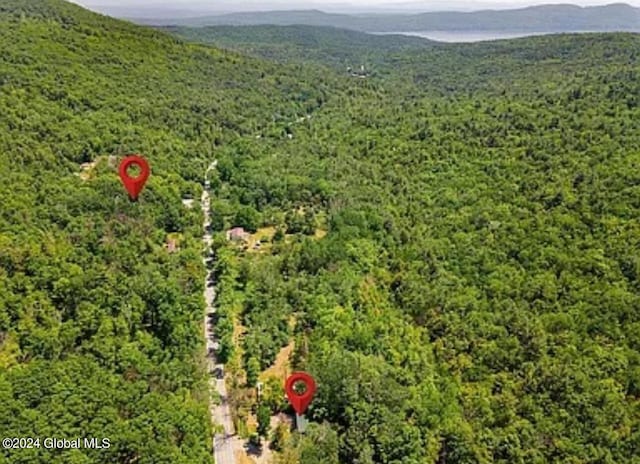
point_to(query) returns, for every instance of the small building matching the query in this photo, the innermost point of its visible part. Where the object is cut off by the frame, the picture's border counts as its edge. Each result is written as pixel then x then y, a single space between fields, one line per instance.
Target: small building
pixel 238 234
pixel 362 73
pixel 188 202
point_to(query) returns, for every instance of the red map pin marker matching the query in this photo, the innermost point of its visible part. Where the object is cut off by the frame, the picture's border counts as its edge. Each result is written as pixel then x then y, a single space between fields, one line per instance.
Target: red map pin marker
pixel 134 185
pixel 300 402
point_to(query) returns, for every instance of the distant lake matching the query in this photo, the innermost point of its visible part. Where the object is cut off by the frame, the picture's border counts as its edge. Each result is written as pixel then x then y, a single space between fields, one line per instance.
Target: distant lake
pixel 473 36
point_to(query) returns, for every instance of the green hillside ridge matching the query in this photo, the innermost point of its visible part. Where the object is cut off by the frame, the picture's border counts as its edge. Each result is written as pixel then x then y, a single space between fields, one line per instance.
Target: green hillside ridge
pixel 475 299
pixel 100 328
pixel 338 48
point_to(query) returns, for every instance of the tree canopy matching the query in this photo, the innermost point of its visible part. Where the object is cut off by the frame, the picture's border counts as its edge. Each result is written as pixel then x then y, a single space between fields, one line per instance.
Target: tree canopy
pixel 451 242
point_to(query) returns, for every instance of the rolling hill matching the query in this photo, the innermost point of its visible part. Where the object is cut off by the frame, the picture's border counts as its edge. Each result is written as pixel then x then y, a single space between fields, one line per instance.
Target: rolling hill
pixel 100 327
pixel 451 248
pixel 339 48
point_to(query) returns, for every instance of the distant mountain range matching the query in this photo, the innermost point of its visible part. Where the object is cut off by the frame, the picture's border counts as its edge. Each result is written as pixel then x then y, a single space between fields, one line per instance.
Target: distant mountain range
pixel 545 18
pixel 196 8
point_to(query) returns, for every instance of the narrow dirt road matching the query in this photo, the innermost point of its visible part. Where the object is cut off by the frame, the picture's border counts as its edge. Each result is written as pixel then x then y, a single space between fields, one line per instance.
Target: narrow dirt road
pixel 224 442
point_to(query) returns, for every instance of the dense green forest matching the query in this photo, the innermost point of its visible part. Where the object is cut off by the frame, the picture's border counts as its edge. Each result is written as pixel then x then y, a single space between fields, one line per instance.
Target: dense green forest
pixel 452 242
pixel 476 297
pixel 100 327
pixel 328 46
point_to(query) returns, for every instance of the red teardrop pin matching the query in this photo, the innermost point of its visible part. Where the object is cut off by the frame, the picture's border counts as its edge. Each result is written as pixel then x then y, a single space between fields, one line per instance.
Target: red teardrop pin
pixel 300 401
pixel 134 185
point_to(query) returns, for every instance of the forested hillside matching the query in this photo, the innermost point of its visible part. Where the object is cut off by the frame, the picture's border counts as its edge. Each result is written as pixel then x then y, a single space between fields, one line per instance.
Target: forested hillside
pixel 100 327
pixel 339 48
pixel 456 255
pixel 451 245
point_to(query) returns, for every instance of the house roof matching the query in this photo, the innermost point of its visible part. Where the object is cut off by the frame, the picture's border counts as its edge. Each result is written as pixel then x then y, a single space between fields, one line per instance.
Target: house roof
pixel 237 233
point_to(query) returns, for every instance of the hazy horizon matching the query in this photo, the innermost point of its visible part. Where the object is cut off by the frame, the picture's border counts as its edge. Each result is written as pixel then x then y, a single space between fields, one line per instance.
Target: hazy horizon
pixel 187 7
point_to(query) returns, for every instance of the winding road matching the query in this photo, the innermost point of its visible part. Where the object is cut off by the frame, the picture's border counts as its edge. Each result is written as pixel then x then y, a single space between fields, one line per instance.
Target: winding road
pixel 224 442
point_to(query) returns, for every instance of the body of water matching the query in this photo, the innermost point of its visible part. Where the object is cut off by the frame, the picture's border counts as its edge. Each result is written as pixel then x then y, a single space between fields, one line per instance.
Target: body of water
pixel 473 36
